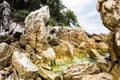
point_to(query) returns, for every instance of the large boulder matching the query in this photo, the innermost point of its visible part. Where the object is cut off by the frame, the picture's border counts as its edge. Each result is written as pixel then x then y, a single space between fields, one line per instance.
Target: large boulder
pixel 85 71
pixel 110 13
pixel 35 28
pixel 76 71
pixel 24 65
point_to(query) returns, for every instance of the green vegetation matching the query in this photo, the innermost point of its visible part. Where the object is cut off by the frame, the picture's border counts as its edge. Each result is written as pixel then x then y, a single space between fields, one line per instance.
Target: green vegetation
pixel 60 15
pixel 21 14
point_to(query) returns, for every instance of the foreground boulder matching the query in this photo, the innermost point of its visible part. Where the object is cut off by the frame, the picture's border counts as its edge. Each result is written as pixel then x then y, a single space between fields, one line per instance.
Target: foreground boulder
pixel 110 13
pixel 85 71
pixel 23 65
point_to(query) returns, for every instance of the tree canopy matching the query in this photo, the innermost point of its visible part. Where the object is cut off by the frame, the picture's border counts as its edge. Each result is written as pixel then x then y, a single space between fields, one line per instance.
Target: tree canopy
pixel 57 10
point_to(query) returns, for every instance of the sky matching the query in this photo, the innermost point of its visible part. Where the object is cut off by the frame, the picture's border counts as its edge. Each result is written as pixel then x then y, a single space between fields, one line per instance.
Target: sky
pixel 87 15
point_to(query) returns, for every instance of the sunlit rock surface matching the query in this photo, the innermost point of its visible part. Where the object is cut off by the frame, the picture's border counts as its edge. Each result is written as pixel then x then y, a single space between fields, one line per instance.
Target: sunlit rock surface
pixel 85 71
pixel 110 15
pixel 24 65
pixel 35 28
pixel 34 51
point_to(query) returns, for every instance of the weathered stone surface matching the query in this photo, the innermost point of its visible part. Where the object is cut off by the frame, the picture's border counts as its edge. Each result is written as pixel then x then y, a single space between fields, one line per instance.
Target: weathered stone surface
pixel 35 28
pixel 5 54
pixel 16 29
pixel 79 52
pixel 100 76
pixel 48 55
pixel 64 52
pixel 73 35
pixel 48 75
pixel 23 65
pixel 4 17
pixel 110 13
pixel 52 36
pixel 102 46
pixel 23 40
pixel 76 71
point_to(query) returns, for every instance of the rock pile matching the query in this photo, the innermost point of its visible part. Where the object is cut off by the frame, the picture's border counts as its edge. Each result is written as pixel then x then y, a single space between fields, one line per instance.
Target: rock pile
pixel 36 52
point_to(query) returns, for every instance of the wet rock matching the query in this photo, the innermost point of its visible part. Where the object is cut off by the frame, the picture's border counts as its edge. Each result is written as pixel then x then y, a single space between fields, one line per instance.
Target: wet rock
pixel 35 28
pixel 5 54
pixel 23 65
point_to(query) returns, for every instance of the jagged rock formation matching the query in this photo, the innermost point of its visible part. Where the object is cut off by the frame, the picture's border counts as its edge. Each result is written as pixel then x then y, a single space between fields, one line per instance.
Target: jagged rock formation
pixel 9 30
pixel 35 28
pixel 32 51
pixel 85 71
pixel 4 17
pixel 110 15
